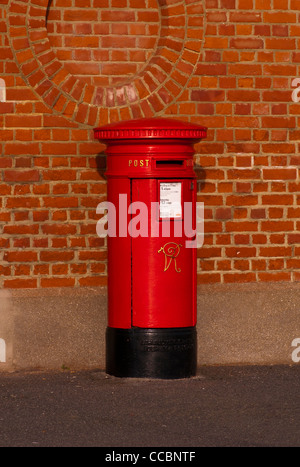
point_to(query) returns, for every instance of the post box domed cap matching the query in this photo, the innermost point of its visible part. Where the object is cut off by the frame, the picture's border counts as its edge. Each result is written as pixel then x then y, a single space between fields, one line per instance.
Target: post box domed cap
pixel 151 128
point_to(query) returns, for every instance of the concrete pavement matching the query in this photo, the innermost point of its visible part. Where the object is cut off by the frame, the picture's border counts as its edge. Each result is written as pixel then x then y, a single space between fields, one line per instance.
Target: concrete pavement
pixel 222 406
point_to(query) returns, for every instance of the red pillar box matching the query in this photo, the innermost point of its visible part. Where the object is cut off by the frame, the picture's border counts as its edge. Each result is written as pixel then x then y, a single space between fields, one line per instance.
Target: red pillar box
pixel 151 212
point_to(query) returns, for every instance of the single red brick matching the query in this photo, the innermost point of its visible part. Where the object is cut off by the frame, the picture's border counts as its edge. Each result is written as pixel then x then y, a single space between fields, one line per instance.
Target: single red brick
pixel 246 43
pixel 20 256
pixel 23 121
pixel 56 256
pixel 82 15
pixel 21 175
pixel 20 283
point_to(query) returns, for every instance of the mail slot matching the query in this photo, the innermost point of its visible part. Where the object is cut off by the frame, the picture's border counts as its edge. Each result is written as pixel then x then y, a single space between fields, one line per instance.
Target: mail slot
pixel 152 304
pixel 169 163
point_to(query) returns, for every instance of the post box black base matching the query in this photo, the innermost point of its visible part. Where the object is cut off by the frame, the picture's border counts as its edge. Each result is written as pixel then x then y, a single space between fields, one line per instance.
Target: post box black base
pixel 151 353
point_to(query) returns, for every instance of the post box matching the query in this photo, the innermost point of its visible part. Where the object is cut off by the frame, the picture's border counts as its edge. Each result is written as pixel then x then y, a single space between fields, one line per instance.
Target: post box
pixel 151 204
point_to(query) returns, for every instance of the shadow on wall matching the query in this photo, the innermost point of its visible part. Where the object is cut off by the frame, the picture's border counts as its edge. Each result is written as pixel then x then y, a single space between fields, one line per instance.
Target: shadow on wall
pixel 200 175
pixel 101 164
pixel 48 10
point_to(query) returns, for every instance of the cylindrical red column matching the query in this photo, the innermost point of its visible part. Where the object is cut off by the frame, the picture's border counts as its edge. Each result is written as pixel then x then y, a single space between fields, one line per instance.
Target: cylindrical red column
pixel 152 194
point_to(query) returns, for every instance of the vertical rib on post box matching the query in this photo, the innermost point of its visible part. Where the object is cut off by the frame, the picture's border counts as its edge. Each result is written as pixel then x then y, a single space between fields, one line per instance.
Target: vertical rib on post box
pixel 152 301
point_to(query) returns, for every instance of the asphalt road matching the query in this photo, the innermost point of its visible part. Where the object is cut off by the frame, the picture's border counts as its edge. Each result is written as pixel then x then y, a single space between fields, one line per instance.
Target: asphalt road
pixel 222 406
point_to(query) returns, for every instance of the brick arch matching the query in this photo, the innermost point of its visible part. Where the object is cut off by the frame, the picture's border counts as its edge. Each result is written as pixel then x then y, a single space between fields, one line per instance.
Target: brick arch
pixel 104 42
pixel 148 94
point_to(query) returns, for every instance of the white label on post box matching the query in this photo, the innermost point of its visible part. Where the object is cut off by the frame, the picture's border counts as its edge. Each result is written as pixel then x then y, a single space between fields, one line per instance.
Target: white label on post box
pixel 170 200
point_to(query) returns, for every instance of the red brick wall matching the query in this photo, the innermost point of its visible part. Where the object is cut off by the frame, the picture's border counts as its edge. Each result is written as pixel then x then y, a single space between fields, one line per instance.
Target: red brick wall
pixel 227 64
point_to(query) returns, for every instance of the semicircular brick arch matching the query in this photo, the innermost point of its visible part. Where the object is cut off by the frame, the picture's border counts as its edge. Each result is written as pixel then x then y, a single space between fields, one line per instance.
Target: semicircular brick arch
pixel 147 94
